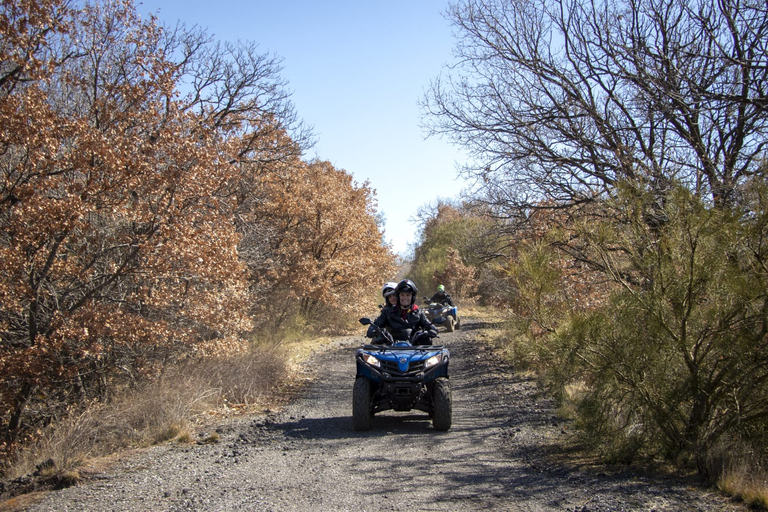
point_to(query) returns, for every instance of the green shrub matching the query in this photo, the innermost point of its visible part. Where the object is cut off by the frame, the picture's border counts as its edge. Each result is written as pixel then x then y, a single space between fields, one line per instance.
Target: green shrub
pixel 675 360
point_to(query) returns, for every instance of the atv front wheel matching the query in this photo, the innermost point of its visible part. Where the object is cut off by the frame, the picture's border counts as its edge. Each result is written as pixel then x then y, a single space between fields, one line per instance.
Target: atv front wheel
pixel 441 419
pixel 361 404
pixel 450 323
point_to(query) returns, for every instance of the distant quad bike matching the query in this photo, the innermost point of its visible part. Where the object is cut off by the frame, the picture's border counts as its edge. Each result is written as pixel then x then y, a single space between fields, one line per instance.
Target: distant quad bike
pixel 401 376
pixel 443 314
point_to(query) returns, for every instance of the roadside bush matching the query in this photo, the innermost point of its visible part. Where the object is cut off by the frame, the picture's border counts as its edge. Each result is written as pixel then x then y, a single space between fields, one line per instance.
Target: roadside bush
pixel 676 362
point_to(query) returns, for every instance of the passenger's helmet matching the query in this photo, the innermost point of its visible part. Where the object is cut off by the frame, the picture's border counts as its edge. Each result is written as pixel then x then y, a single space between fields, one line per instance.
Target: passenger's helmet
pixel 441 288
pixel 388 288
pixel 406 285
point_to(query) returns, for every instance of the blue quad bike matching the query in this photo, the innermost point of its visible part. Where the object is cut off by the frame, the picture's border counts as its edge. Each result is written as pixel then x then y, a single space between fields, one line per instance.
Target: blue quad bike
pixel 442 314
pixel 401 376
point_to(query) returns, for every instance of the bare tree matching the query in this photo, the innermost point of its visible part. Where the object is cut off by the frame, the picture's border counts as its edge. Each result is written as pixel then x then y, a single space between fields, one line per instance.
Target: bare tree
pixel 558 100
pixel 238 90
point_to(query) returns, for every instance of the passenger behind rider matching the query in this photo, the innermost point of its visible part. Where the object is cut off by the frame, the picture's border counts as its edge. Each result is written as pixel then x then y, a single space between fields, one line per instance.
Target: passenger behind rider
pixel 442 297
pixel 390 298
pixel 388 292
pixel 405 316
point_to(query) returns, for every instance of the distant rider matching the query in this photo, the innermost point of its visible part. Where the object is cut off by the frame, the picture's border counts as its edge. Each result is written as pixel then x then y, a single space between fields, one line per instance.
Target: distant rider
pixel 405 316
pixel 442 297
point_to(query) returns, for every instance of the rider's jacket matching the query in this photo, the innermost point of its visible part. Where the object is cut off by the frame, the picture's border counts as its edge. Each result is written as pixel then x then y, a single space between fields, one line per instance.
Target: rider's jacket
pixel 402 323
pixel 442 298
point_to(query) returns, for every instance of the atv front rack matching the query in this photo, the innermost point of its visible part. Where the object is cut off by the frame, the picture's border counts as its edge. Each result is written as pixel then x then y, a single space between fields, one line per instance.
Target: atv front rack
pixel 382 347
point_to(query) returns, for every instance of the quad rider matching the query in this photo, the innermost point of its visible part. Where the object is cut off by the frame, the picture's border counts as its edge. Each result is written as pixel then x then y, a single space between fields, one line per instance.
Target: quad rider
pixel 404 317
pixel 442 297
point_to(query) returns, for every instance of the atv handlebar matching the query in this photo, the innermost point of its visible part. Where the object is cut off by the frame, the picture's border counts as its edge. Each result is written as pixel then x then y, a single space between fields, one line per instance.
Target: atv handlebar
pixel 386 335
pixel 389 340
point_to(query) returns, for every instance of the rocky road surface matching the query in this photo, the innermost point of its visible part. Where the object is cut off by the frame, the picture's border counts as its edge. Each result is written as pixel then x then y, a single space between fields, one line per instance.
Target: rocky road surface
pixel 503 452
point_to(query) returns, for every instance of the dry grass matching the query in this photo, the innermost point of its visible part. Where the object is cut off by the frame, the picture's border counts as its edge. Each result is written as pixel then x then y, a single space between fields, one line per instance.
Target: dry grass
pixel 746 483
pixel 172 408
pixel 471 308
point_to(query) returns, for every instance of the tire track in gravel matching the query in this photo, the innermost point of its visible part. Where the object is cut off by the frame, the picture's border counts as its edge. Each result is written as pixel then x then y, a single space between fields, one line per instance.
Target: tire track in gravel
pixel 498 455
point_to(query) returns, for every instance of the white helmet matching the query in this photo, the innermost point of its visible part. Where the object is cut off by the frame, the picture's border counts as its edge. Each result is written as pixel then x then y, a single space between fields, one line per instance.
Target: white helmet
pixel 388 288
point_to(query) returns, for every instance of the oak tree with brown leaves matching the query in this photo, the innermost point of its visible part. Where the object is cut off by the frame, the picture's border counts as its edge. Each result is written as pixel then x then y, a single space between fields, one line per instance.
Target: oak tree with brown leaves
pixel 140 224
pixel 114 249
pixel 325 247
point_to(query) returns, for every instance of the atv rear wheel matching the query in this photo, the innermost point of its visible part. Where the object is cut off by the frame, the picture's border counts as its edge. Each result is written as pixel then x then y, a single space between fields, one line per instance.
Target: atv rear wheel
pixel 361 404
pixel 441 418
pixel 450 323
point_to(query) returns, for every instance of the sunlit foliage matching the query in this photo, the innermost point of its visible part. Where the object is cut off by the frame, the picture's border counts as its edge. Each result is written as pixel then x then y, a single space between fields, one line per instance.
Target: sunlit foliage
pixel 445 252
pixel 323 243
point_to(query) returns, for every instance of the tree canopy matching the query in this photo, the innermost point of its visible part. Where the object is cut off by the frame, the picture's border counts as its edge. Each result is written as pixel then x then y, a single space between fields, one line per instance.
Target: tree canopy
pixel 558 100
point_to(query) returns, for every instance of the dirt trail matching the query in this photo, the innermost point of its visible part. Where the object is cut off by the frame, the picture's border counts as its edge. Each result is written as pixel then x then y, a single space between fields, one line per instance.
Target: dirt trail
pixel 500 454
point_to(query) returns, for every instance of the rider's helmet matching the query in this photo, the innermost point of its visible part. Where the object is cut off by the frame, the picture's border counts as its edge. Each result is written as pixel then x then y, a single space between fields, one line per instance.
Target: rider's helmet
pixel 388 288
pixel 441 288
pixel 406 285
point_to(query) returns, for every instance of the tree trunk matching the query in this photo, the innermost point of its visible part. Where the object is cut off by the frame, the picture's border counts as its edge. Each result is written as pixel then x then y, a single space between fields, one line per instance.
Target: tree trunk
pixel 18 411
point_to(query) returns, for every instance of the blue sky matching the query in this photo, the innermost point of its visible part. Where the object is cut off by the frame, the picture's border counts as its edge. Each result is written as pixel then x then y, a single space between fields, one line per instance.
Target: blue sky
pixel 357 70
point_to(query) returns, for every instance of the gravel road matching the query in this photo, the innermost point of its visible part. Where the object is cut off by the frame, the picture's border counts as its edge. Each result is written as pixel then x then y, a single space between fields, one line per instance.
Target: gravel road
pixel 500 454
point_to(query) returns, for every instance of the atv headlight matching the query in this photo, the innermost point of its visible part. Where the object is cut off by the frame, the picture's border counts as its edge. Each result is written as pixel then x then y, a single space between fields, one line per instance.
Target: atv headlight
pixel 369 359
pixel 432 361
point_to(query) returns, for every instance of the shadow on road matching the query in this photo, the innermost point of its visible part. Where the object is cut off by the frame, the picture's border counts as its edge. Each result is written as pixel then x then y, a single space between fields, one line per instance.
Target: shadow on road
pixel 340 427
